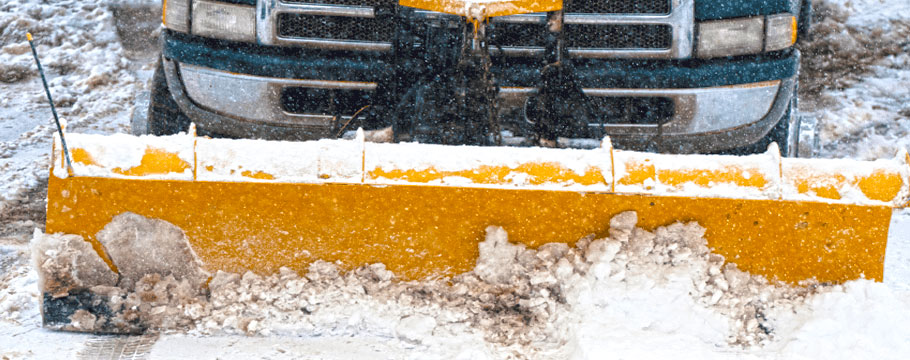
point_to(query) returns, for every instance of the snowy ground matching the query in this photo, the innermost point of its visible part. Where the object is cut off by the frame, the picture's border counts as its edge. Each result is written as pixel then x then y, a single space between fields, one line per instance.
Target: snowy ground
pixel 637 299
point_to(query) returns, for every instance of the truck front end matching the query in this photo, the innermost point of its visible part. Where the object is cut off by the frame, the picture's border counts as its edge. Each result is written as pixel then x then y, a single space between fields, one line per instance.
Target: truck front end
pixel 675 76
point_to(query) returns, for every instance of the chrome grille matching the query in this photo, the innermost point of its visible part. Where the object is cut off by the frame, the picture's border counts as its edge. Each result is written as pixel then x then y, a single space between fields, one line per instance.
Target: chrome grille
pixel 302 26
pixel 661 29
pixel 594 28
pixel 619 7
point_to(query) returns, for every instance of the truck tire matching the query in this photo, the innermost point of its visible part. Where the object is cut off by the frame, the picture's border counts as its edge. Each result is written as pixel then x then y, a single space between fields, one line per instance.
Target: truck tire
pixel 164 116
pixel 787 140
pixel 785 134
pixel 805 20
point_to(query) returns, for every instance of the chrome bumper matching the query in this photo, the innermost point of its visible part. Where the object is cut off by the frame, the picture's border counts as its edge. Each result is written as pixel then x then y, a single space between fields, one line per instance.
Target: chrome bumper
pixel 238 105
pixel 704 120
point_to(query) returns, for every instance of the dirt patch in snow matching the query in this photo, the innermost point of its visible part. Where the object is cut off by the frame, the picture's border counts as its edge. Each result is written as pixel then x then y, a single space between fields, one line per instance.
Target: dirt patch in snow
pixel 89 77
pixel 24 212
pixel 855 70
pixel 838 54
pixel 138 26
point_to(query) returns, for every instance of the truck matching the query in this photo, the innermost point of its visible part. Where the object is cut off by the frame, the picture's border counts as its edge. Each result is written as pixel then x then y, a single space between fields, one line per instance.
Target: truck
pixel 670 76
pixel 476 99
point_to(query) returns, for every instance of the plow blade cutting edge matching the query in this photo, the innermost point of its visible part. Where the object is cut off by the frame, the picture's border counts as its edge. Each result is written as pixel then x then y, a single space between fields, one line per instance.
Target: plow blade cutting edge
pixel 253 205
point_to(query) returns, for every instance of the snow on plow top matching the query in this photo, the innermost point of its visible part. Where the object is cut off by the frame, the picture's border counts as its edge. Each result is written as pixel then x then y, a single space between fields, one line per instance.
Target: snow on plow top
pixel 762 176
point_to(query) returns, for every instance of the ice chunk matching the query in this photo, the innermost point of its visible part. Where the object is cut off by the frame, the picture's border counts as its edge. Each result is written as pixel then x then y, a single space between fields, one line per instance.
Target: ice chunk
pixel 67 263
pixel 415 328
pixel 139 246
pixel 497 256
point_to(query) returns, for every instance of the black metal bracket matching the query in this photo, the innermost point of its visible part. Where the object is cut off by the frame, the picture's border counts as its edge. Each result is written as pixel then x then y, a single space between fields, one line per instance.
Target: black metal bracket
pixel 560 107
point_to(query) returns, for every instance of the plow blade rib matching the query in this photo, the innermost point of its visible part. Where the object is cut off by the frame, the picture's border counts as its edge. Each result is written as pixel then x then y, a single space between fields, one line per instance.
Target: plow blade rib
pixel 422 209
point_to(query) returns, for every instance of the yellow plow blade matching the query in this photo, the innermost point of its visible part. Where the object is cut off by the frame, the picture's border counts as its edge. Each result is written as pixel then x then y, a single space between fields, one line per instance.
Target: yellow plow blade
pixel 481 9
pixel 422 209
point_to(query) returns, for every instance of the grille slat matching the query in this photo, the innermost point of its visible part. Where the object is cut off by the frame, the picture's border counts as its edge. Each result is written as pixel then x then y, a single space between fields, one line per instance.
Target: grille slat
pixel 293 26
pixel 619 7
pixel 302 26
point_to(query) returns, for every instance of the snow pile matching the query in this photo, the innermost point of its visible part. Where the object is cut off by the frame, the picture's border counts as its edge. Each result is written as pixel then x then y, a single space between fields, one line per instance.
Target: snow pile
pixel 632 294
pixel 280 161
pixel 844 321
pixel 855 70
pixel 116 155
pixel 897 258
pixel 18 288
pixel 754 176
pixel 138 246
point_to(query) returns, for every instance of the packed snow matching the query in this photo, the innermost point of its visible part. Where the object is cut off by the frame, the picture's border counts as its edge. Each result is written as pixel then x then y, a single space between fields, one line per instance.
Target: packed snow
pixel 634 294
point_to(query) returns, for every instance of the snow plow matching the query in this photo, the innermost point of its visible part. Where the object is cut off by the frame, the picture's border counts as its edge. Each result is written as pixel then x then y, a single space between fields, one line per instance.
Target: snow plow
pixel 187 206
pixel 421 209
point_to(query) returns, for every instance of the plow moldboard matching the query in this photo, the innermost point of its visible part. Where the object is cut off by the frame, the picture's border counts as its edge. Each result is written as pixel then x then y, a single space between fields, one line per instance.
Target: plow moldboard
pixel 430 231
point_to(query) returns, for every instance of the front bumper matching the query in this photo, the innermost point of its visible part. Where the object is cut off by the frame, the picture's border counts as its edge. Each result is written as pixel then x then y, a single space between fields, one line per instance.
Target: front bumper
pixel 718 104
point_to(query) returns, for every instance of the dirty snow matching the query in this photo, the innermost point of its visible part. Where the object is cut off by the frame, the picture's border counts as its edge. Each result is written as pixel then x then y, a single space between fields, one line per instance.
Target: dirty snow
pixel 855 75
pixel 92 83
pixel 620 302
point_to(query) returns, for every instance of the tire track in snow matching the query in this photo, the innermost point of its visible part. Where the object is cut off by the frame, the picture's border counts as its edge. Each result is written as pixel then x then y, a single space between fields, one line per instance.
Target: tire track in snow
pixel 117 347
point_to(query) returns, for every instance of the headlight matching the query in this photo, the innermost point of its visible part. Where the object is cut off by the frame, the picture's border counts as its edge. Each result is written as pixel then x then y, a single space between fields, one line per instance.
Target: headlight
pixel 743 36
pixel 174 15
pixel 224 21
pixel 730 37
pixel 780 32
